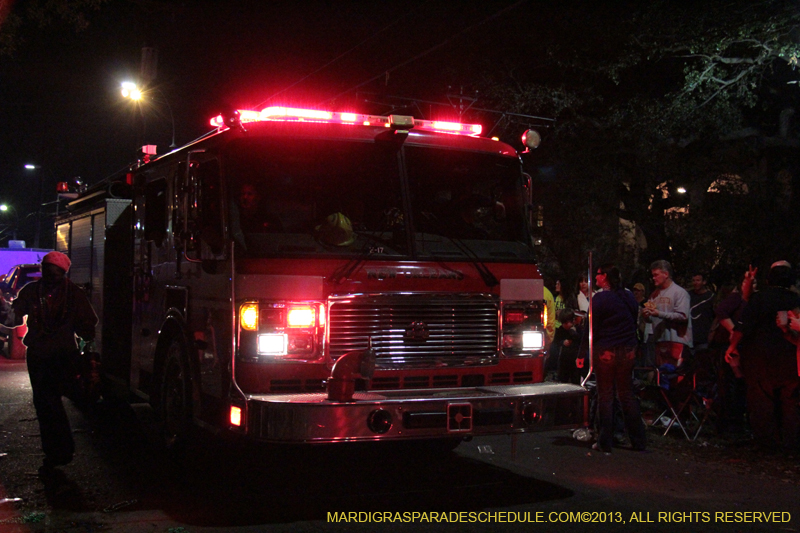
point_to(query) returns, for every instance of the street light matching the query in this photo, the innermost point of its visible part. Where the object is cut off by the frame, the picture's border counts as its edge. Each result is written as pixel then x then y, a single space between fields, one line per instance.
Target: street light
pixel 132 91
pixel 6 209
pixel 30 166
pixel 129 90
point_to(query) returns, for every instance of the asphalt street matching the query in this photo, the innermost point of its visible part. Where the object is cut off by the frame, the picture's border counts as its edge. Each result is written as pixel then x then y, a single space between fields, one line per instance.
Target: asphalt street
pixel 122 481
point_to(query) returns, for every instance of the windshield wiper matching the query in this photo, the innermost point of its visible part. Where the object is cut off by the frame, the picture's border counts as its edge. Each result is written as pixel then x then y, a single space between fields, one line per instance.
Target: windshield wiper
pixel 486 275
pixel 346 270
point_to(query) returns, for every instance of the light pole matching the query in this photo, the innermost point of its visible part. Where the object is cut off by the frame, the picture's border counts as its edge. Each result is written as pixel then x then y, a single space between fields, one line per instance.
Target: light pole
pixel 132 91
pixel 38 168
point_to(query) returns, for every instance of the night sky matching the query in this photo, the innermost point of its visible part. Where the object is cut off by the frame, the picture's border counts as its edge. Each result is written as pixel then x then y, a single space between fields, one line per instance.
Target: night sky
pixel 61 108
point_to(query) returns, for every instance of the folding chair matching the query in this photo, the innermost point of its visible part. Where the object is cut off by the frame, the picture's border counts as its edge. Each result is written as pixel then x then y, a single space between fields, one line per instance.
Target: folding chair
pixel 675 393
pixel 706 388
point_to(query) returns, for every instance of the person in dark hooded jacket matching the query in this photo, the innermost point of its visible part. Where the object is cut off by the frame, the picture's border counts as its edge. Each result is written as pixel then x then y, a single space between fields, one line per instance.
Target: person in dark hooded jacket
pixel 57 311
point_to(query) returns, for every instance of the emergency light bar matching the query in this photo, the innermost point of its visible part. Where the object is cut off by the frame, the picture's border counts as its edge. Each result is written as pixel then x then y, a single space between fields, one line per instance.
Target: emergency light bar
pixel 290 114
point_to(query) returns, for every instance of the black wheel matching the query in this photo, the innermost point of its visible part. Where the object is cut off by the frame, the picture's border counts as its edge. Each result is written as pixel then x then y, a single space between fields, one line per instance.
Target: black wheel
pixel 175 405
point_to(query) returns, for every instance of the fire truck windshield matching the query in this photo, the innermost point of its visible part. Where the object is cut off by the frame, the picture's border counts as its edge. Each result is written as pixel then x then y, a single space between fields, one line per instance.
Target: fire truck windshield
pixel 306 197
pixel 466 203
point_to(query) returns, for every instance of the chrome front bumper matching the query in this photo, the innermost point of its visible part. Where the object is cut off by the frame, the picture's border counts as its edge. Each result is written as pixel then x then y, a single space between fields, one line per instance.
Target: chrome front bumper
pixel 415 414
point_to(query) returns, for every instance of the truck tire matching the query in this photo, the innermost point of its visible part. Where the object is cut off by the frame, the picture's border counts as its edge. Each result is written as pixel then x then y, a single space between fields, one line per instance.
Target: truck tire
pixel 175 408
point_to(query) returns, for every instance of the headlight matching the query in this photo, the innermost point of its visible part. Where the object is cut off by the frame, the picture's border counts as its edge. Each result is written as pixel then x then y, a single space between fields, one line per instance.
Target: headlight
pixel 300 317
pixel 523 327
pixel 287 330
pixel 532 340
pixel 272 343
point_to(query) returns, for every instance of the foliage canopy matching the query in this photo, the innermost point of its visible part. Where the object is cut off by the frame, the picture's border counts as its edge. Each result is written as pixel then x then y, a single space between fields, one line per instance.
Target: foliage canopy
pixel 656 96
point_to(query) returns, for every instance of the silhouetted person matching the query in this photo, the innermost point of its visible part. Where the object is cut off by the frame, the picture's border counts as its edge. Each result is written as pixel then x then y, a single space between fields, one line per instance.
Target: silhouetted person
pixel 769 362
pixel 614 354
pixel 57 311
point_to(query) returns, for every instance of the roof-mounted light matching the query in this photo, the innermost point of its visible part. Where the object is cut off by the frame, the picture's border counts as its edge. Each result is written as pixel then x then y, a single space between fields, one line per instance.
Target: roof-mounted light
pixel 531 139
pixel 292 114
pixel 234 118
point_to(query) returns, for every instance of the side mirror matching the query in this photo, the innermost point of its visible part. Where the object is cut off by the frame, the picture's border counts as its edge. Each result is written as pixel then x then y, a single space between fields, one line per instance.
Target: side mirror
pixel 203 230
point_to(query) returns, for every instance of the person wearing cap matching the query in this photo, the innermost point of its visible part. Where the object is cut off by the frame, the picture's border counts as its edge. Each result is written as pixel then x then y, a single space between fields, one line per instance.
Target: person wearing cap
pixel 768 361
pixel 57 311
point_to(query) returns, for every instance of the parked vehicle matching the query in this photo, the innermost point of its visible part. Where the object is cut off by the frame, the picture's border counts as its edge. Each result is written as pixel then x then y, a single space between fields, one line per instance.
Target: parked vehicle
pixel 10 284
pixel 18 277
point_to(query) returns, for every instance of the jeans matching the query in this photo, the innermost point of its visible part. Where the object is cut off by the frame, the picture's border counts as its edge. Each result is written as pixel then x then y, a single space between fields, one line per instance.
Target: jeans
pixel 772 410
pixel 49 381
pixel 613 368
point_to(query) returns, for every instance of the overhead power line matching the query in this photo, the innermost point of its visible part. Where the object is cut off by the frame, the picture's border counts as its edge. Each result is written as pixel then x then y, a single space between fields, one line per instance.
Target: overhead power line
pixel 429 50
pixel 337 58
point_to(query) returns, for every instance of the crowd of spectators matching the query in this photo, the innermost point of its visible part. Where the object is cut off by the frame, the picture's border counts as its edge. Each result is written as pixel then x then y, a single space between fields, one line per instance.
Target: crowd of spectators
pixel 749 334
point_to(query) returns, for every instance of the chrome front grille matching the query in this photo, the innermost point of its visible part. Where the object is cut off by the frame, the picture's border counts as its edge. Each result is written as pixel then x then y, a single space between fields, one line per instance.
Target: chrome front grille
pixel 416 330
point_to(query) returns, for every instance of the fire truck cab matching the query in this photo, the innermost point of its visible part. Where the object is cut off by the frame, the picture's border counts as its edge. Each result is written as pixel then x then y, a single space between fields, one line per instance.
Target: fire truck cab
pixel 307 276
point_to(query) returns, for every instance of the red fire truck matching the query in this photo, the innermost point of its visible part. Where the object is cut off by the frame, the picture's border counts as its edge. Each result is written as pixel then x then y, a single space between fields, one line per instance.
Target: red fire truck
pixel 307 276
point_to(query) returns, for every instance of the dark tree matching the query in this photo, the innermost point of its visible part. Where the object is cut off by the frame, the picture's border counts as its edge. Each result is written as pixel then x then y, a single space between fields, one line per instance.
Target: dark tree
pixel 657 98
pixel 19 19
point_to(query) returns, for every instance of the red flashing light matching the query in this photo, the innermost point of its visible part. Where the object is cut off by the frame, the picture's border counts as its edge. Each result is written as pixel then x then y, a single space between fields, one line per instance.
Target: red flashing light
pixel 292 114
pixel 300 317
pixel 447 126
pixel 457 128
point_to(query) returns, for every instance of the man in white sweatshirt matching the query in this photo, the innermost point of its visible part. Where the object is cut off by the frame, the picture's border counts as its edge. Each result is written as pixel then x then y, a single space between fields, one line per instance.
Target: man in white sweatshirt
pixel 669 311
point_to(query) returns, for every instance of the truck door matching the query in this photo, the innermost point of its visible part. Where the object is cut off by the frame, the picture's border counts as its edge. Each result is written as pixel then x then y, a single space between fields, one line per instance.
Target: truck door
pixel 151 261
pixel 205 267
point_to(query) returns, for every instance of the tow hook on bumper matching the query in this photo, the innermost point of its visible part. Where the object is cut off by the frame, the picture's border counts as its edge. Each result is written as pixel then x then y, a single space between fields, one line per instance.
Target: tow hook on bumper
pixel 459 417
